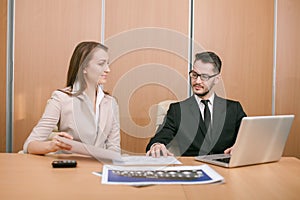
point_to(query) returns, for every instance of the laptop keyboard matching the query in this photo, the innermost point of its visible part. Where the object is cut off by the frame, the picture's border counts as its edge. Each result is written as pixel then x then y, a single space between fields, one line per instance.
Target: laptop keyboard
pixel 224 160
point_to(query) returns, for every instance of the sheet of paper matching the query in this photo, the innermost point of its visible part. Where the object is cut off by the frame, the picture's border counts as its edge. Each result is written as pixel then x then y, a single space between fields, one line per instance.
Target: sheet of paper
pixel 146 175
pixel 104 154
pixel 97 173
pixel 90 150
pixel 146 160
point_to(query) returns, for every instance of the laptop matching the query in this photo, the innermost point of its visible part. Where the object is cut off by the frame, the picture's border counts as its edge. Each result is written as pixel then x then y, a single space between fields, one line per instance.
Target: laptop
pixel 261 139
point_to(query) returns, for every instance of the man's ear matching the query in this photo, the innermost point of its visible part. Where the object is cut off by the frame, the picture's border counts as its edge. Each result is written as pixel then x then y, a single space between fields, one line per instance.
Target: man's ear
pixel 217 79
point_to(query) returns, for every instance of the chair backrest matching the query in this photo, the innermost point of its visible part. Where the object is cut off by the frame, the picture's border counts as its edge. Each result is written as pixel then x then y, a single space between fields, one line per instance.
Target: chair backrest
pixel 162 109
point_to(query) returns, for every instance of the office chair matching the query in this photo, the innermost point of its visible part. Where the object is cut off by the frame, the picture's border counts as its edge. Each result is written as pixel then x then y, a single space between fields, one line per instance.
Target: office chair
pixel 162 109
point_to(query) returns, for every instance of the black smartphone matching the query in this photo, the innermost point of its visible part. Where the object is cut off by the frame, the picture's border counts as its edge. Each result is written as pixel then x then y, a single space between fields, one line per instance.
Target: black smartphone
pixel 64 163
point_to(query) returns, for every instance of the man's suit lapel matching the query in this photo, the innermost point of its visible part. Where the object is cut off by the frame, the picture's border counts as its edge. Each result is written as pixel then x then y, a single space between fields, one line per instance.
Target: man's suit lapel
pixel 213 134
pixel 188 126
pixel 196 114
pixel 219 114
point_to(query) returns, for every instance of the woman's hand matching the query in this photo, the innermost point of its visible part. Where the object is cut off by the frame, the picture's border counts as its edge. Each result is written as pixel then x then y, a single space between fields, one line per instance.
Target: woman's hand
pixel 55 144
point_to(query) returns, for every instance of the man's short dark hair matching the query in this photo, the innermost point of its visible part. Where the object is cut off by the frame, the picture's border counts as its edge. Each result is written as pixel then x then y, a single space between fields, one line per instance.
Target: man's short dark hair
pixel 209 57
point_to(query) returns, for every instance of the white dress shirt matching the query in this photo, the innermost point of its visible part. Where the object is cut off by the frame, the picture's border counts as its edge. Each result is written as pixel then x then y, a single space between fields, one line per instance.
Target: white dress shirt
pixel 202 106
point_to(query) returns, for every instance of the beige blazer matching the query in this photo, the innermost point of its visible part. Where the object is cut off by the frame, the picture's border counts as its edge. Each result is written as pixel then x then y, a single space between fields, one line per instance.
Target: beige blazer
pixel 75 115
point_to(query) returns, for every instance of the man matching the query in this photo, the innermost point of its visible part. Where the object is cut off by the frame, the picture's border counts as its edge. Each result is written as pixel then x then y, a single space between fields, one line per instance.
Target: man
pixel 202 124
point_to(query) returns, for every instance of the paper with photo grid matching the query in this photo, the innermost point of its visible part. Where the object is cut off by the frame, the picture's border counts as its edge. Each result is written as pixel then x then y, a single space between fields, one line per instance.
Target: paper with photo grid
pixel 112 174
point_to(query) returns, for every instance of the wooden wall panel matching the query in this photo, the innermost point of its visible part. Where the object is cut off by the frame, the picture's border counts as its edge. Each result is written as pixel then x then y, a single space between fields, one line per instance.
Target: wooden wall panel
pixel 126 19
pixel 3 29
pixel 288 73
pixel 241 32
pixel 46 33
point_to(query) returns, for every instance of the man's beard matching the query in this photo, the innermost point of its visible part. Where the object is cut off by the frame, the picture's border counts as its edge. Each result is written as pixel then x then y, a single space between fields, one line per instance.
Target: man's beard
pixel 202 94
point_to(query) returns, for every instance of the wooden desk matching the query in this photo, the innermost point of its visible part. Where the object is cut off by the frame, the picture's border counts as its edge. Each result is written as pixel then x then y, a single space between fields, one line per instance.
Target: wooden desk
pixel 25 176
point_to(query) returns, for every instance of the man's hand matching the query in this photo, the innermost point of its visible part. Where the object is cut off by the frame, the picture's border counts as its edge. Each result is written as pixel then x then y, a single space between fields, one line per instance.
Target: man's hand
pixel 229 150
pixel 157 149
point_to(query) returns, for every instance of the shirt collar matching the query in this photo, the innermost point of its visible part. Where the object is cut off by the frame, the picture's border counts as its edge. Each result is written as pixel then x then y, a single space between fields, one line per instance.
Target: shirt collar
pixel 211 99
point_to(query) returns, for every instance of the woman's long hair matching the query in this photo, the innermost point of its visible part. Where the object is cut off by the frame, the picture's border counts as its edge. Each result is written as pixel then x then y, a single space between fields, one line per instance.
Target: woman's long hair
pixel 79 60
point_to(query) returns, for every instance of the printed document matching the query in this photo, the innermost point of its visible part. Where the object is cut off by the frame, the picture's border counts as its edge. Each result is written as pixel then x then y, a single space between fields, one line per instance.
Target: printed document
pixel 148 175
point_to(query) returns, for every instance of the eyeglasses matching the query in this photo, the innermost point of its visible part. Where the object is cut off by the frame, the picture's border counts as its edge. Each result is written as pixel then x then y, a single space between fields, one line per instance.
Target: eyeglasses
pixel 204 77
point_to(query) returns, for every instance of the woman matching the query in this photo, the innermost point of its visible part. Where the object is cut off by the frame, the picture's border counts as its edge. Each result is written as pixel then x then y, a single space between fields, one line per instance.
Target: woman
pixel 81 111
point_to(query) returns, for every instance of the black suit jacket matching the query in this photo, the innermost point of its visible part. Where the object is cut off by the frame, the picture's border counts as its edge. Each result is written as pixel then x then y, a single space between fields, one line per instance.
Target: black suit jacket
pixel 184 133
